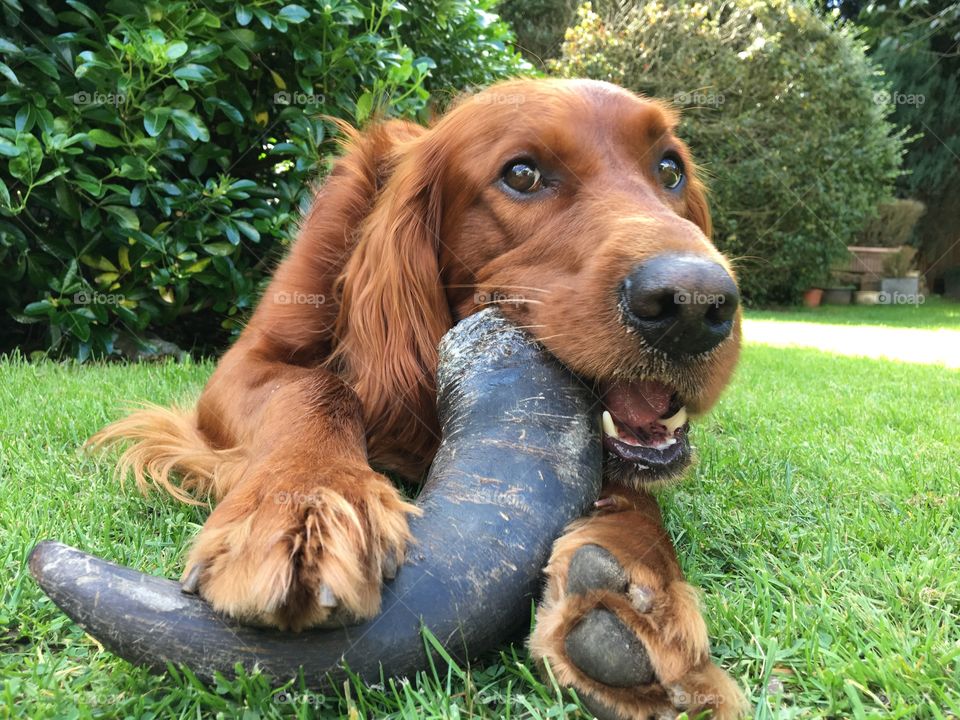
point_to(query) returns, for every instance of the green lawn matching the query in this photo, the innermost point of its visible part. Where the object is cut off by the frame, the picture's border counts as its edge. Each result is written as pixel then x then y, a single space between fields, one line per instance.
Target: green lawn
pixel 934 313
pixel 822 522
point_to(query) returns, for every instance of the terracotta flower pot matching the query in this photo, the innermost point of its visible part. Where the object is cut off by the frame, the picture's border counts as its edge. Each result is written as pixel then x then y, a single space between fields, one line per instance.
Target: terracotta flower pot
pixel 812 297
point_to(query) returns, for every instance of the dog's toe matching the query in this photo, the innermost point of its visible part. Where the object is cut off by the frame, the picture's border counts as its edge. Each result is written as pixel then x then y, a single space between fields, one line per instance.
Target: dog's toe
pixel 595 568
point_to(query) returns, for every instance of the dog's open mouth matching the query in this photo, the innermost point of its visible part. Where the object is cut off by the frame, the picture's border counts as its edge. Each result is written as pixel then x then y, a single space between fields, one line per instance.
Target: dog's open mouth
pixel 645 423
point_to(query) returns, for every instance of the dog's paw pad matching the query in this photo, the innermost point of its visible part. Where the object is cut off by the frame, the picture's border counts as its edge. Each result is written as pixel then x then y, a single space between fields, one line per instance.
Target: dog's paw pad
pixel 594 568
pixel 606 650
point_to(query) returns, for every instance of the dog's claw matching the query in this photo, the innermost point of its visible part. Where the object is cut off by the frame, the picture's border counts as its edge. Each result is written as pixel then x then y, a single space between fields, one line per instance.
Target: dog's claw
pixel 390 565
pixel 191 583
pixel 327 598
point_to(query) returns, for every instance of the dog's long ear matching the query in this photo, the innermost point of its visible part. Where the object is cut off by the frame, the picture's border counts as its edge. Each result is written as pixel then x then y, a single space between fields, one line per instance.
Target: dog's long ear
pixel 297 315
pixel 393 309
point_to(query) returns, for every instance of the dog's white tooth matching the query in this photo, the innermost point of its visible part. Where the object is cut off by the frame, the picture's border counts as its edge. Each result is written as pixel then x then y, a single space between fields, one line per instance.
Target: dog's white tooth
pixel 675 421
pixel 608 426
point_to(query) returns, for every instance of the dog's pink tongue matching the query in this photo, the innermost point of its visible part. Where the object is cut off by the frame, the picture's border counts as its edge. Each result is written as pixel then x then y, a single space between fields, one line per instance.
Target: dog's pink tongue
pixel 638 403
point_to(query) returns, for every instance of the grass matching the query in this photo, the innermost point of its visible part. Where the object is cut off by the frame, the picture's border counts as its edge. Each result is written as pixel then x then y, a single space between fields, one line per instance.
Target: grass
pixel 935 313
pixel 822 523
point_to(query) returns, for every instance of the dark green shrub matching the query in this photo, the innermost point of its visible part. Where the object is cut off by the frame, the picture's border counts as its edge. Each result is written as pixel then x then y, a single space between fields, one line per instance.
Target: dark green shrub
pixel 779 109
pixel 156 155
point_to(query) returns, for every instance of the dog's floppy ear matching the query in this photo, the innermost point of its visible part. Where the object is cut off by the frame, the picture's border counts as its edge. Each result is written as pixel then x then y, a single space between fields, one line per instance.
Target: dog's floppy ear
pixel 296 313
pixel 393 308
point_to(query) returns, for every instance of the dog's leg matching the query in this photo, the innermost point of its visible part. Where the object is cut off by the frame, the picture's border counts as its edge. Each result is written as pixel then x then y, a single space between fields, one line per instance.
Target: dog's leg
pixel 309 527
pixel 619 624
pixel 303 527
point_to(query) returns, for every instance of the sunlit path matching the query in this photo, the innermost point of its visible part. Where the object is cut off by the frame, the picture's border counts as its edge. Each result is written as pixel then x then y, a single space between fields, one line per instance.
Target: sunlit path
pixel 932 347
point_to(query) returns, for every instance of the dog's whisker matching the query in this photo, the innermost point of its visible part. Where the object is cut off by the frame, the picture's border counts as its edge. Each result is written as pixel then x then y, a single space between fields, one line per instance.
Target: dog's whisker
pixel 511 301
pixel 502 287
pixel 520 327
pixel 552 337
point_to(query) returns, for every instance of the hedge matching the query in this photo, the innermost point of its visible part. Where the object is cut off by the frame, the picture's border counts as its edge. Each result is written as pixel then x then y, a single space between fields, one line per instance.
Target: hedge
pixel 156 156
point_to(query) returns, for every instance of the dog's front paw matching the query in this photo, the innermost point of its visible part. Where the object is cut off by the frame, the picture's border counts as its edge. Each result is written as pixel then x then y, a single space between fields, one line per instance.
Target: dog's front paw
pixel 625 634
pixel 292 554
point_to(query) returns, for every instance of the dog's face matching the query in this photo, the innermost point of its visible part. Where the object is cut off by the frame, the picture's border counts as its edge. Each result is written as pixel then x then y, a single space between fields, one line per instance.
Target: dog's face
pixel 573 206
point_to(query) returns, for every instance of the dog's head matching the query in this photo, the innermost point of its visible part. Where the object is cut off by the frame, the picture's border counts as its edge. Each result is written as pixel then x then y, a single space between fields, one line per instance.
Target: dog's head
pixel 573 206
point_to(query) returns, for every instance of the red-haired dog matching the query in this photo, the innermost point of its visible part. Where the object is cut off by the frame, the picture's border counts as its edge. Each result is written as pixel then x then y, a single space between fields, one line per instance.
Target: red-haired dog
pixel 573 205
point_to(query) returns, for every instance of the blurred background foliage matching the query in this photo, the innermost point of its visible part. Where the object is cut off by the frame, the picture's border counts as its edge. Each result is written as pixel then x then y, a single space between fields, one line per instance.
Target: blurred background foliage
pixel 917 43
pixel 539 25
pixel 155 156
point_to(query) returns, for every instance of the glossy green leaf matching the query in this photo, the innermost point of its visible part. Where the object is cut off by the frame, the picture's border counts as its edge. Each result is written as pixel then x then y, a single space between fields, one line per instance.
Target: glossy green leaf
pixel 103 138
pixel 293 13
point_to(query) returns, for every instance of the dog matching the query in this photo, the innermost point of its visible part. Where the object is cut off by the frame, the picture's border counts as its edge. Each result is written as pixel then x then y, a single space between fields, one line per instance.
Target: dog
pixel 573 206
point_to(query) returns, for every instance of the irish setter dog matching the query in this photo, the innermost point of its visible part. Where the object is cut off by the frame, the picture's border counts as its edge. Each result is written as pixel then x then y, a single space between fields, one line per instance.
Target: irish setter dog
pixel 572 204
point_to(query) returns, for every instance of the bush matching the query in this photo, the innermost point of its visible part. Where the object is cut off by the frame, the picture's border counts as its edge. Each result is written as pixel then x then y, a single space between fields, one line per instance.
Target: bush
pixel 157 155
pixel 779 109
pixel 893 224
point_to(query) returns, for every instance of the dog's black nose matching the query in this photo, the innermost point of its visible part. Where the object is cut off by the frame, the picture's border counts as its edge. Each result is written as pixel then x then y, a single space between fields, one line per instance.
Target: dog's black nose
pixel 682 304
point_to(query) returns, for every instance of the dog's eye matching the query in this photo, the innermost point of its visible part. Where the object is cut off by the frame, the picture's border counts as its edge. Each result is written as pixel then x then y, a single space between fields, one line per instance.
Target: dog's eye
pixel 522 176
pixel 670 172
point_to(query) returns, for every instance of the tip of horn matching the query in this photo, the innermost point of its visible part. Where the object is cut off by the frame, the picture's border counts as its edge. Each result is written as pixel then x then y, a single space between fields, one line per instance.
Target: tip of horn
pixel 43 558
